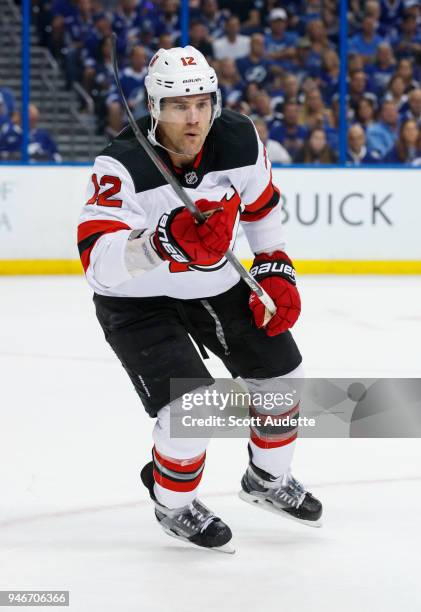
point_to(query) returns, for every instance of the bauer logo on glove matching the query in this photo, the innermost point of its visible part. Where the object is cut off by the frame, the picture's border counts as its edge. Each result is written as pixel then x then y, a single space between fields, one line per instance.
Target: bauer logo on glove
pixel 276 274
pixel 270 268
pixel 180 238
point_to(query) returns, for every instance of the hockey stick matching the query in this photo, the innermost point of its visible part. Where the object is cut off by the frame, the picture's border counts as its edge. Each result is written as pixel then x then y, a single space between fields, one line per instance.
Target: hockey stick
pixel 187 201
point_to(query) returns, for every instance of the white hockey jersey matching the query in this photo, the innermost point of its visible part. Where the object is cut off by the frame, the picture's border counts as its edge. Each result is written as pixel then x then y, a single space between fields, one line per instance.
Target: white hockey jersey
pixel 127 192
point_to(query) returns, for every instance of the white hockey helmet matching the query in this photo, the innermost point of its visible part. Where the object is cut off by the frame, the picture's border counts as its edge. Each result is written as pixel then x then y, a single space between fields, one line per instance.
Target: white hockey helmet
pixel 180 71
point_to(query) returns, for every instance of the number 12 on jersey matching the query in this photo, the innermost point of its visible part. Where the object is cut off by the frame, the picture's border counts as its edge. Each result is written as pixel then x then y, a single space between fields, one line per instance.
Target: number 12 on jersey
pixel 104 198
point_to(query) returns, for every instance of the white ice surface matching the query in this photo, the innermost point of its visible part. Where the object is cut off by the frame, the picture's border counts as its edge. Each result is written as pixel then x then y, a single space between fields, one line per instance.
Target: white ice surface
pixel 73 437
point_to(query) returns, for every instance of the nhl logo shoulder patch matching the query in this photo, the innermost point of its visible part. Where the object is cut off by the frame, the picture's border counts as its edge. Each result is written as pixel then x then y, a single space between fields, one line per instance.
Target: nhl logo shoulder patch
pixel 191 178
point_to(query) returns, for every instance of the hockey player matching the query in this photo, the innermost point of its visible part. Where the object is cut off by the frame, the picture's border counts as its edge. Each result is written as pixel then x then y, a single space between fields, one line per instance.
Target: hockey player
pixel 159 276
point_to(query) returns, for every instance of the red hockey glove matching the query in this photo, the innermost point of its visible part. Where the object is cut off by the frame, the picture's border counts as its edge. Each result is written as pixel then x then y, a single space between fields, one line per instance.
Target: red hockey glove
pixel 276 274
pixel 178 236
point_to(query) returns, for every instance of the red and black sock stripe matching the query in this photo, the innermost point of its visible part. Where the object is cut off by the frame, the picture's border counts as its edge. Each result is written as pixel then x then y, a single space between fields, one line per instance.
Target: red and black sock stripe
pixel 180 475
pixel 275 434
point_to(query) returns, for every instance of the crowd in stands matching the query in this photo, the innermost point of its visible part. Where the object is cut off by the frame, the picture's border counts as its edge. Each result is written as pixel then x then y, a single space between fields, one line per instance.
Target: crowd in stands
pixel 41 145
pixel 277 62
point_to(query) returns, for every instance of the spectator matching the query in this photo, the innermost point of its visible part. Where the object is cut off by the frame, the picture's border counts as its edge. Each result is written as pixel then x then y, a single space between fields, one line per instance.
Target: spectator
pixel 132 83
pixel 279 43
pixel 382 135
pixel 309 11
pixel 78 30
pixel 275 89
pixel 414 103
pixel 331 22
pixel 165 41
pixel 92 54
pixel 329 79
pixel 357 153
pixel 147 38
pixel 263 107
pixel 366 41
pixel 103 82
pixel 253 25
pixel 289 132
pixel 61 10
pixel 10 140
pixel 365 111
pixel 126 21
pixel 254 67
pixel 372 9
pixel 407 42
pixel 233 45
pixel 314 113
pixel 276 152
pixel 316 150
pixel 102 29
pixel 199 36
pixel 283 88
pixel 405 70
pixel 7 105
pixel 382 69
pixel 306 86
pixel 251 92
pixel 413 7
pixel 301 65
pixel 41 146
pixel 168 21
pixel 291 87
pixel 406 150
pixel 391 14
pixel 354 16
pixel 355 62
pixel 214 18
pixel 396 92
pixel 230 83
pixel 356 88
pixel 319 42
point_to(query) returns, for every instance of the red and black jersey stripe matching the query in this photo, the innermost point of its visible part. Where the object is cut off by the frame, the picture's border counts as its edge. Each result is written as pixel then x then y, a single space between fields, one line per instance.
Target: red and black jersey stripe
pixel 267 200
pixel 178 475
pixel 89 232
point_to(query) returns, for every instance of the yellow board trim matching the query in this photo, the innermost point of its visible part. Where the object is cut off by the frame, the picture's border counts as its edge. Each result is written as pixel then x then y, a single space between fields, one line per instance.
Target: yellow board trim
pixel 303 266
pixel 346 266
pixel 40 266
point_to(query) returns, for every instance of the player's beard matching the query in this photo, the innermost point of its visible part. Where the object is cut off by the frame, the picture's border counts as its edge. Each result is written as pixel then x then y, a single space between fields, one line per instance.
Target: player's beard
pixel 179 145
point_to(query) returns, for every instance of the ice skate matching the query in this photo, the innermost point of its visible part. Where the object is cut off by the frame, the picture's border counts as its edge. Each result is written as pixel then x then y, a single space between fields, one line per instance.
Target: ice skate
pixel 193 523
pixel 284 496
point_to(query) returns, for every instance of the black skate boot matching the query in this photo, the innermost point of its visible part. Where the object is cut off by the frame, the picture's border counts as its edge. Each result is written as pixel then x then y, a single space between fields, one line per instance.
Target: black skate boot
pixel 193 523
pixel 284 496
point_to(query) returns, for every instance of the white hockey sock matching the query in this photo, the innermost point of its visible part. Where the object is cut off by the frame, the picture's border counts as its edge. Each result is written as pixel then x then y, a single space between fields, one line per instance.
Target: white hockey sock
pixel 274 454
pixel 178 463
pixel 275 461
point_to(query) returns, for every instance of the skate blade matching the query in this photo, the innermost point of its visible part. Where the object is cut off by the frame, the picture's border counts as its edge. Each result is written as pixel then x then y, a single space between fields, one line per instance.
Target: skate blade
pixel 227 548
pixel 264 505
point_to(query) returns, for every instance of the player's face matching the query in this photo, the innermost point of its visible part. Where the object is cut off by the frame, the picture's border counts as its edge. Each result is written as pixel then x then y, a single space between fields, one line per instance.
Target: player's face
pixel 184 123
